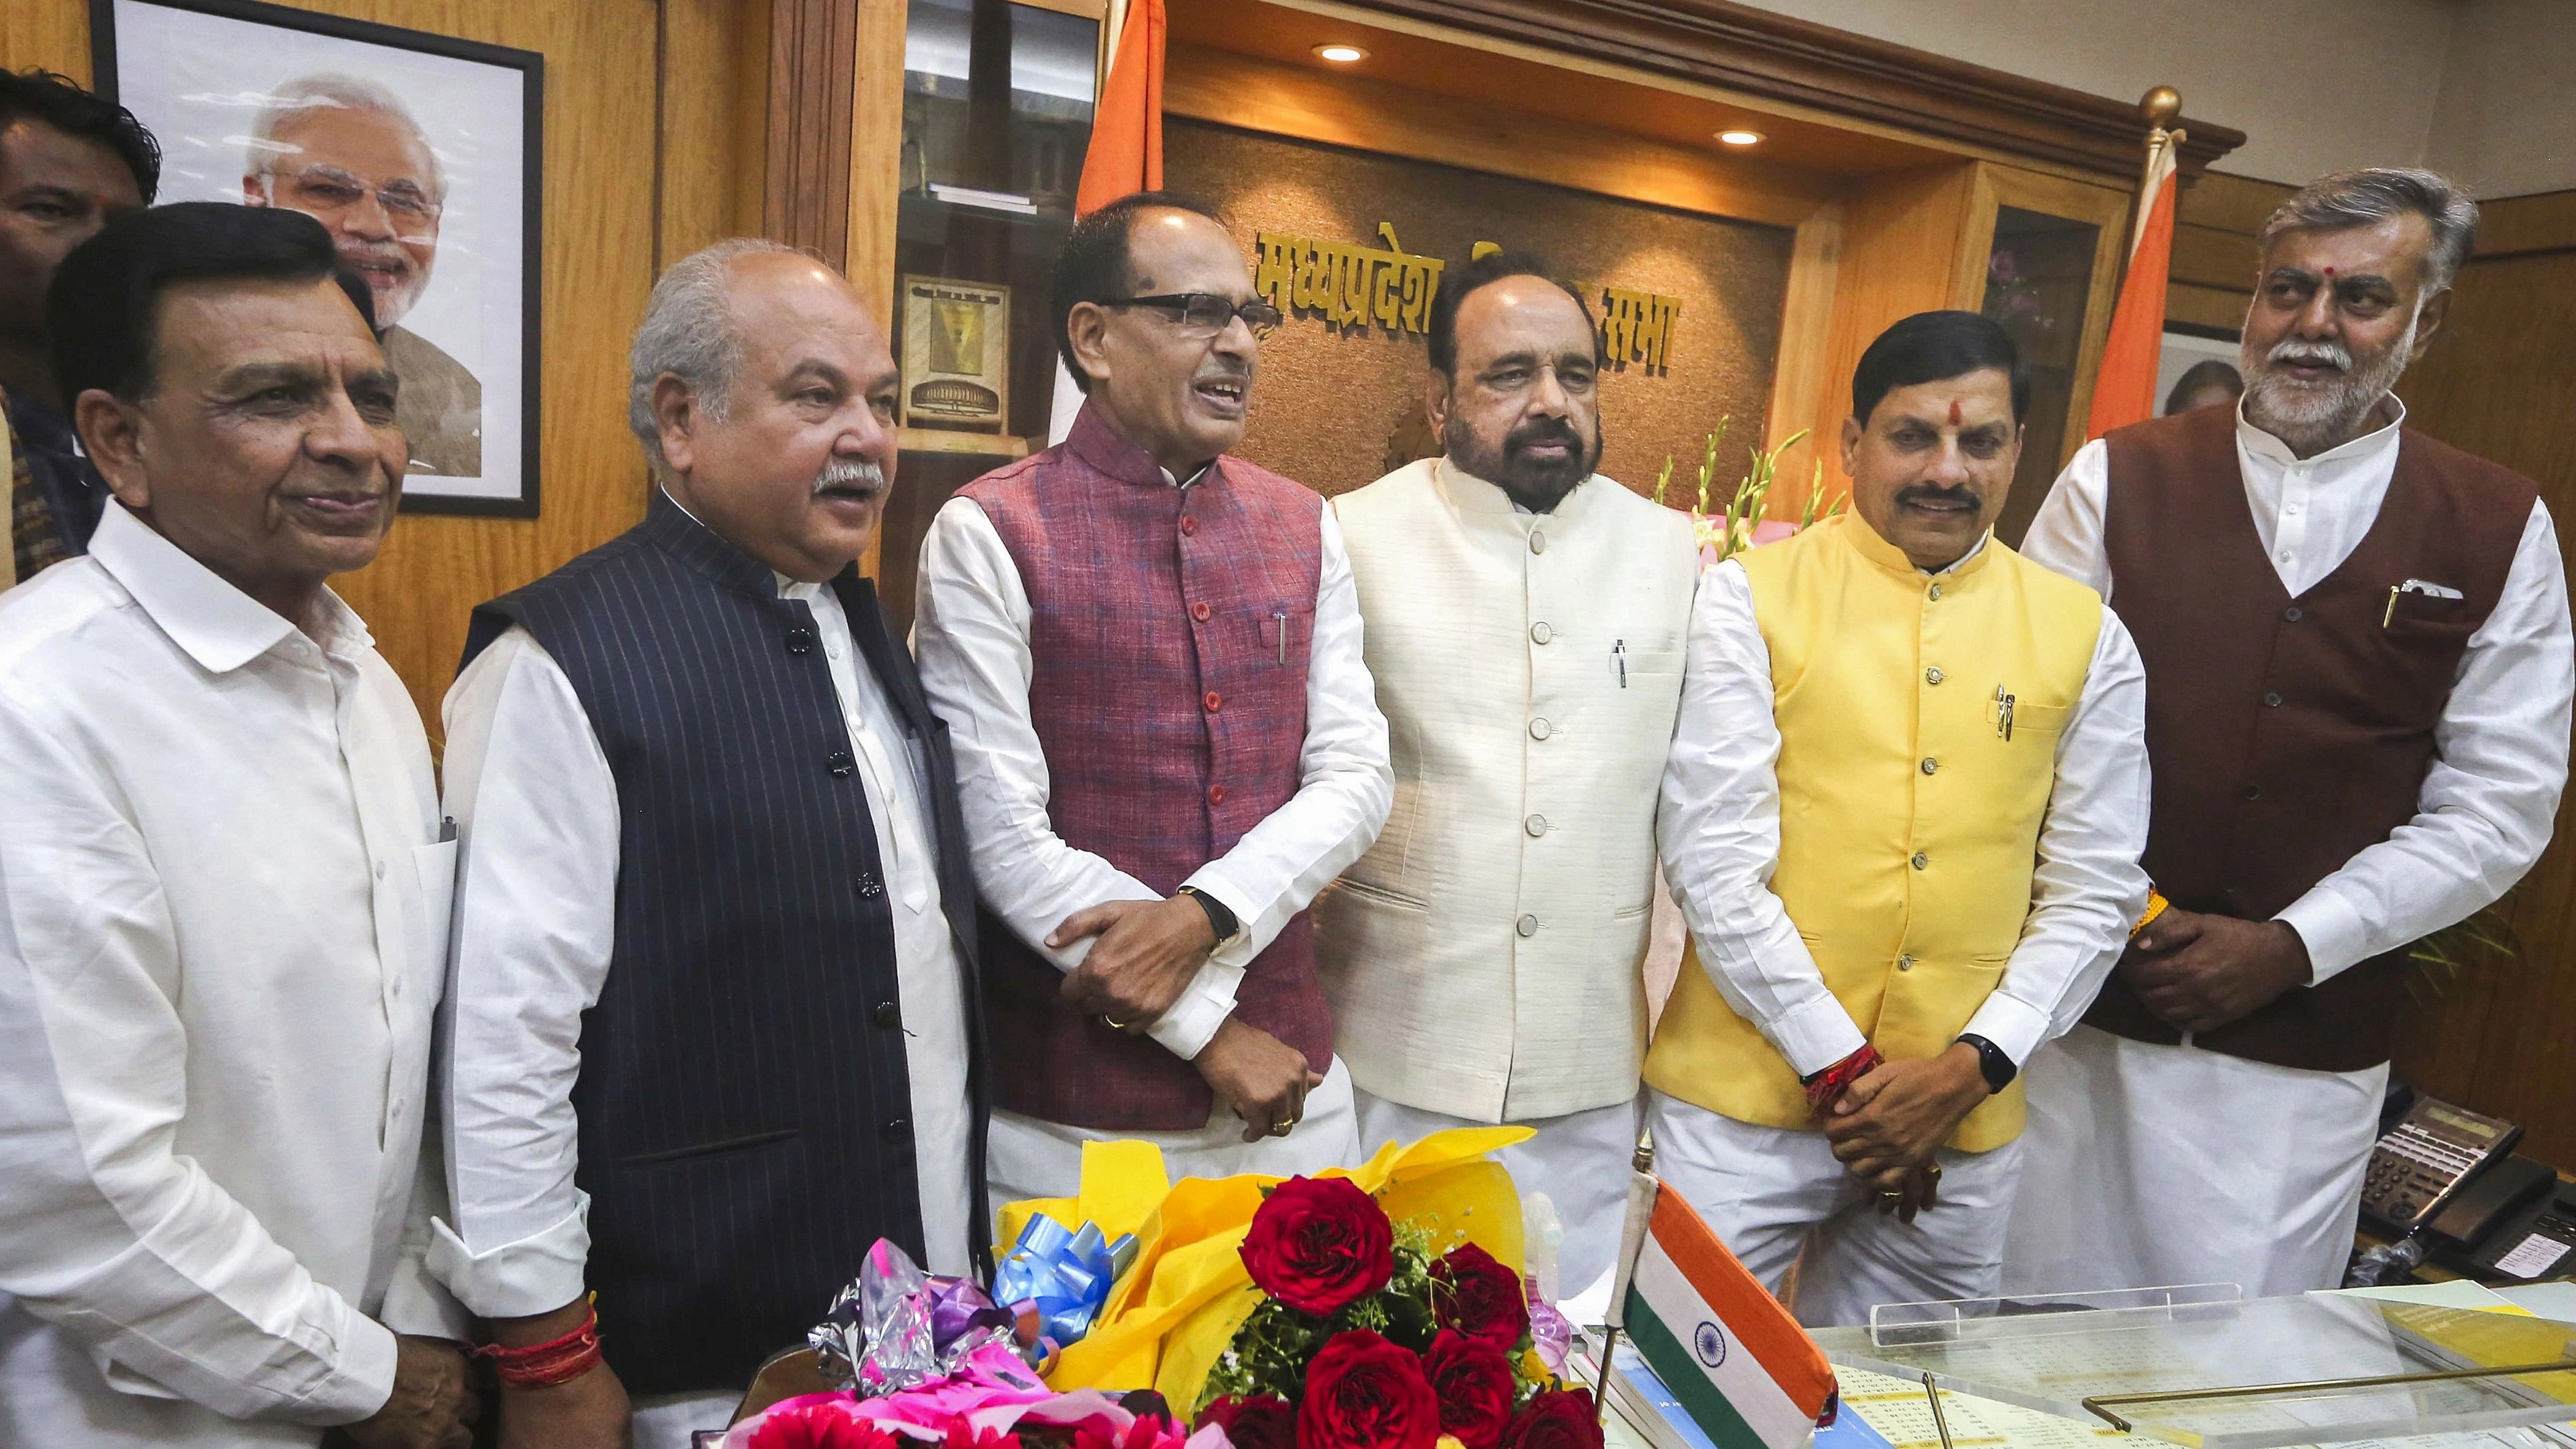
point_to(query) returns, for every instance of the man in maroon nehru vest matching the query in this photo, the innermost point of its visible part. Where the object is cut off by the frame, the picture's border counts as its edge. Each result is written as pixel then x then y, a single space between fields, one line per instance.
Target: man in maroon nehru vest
pixel 1148 656
pixel 2358 679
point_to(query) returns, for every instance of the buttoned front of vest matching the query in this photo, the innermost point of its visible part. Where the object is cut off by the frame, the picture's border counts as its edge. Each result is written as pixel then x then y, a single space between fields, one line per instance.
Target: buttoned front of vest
pixel 1483 956
pixel 1169 630
pixel 1919 716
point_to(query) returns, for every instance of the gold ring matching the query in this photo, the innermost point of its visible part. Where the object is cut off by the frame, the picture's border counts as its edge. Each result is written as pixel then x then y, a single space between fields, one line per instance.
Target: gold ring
pixel 1113 1025
pixel 1891 1197
pixel 1284 1128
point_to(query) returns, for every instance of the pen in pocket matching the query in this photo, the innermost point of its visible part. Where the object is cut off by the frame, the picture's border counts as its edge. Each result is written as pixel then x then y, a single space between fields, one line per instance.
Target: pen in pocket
pixel 1619 657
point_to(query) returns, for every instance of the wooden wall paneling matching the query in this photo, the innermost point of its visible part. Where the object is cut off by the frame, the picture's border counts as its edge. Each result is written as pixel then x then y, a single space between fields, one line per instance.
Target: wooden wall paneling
pixel 1902 237
pixel 714 123
pixel 1261 95
pixel 2497 383
pixel 1800 383
pixel 875 179
pixel 53 34
pixel 813 53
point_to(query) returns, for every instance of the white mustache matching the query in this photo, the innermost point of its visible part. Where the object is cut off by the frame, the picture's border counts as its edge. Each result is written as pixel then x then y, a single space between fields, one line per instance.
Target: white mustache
pixel 2311 354
pixel 849 473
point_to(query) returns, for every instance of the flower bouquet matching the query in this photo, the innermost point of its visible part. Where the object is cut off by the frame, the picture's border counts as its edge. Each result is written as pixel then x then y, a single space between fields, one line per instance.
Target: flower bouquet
pixel 1379 1334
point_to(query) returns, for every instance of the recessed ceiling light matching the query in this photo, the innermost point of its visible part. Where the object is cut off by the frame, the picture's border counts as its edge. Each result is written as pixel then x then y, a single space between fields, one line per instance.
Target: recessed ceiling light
pixel 1740 137
pixel 1341 54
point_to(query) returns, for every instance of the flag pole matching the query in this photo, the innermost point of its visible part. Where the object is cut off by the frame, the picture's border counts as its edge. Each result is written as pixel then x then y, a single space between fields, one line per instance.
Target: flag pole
pixel 2160 107
pixel 1642 1188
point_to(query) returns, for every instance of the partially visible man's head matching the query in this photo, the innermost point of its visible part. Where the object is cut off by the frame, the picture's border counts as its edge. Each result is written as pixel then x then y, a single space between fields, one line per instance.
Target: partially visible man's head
pixel 225 377
pixel 764 394
pixel 347 153
pixel 2208 383
pixel 1513 388
pixel 1934 433
pixel 69 160
pixel 2356 279
pixel 1172 374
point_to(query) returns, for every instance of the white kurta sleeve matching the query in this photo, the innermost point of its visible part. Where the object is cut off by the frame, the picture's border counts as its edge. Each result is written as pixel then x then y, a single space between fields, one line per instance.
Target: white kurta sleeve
pixel 1718 826
pixel 2066 535
pixel 536 816
pixel 2486 806
pixel 113 1234
pixel 1346 782
pixel 2087 888
pixel 970 640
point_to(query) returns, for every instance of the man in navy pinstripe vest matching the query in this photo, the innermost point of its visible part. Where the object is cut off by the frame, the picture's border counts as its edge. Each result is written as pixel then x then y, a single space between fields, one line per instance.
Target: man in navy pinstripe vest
pixel 714 1009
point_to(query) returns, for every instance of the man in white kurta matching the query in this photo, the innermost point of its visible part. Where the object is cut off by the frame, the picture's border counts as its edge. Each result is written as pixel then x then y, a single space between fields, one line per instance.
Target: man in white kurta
pixel 223 895
pixel 1524 625
pixel 2213 1118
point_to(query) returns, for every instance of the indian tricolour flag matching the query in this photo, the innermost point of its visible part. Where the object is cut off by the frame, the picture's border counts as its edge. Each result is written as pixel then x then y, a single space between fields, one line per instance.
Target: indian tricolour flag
pixel 1749 1375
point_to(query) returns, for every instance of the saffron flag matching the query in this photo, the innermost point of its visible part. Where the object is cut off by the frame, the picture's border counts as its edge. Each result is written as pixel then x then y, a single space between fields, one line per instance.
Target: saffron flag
pixel 1126 153
pixel 1750 1377
pixel 2124 391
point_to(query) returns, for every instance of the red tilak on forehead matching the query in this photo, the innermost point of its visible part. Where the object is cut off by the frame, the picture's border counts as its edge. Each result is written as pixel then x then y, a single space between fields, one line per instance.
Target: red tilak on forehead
pixel 2329 271
pixel 1954 412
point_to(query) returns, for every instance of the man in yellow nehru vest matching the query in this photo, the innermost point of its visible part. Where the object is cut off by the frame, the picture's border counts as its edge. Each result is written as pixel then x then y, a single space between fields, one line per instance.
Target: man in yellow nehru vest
pixel 1902 817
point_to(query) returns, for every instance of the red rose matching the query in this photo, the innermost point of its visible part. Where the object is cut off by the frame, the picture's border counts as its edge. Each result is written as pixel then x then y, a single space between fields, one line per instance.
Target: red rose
pixel 1480 1297
pixel 1318 1243
pixel 1474 1384
pixel 1556 1419
pixel 818 1426
pixel 1268 1422
pixel 1363 1392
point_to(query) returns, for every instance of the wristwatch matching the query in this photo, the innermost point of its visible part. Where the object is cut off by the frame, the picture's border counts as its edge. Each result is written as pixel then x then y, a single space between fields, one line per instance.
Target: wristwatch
pixel 1997 1068
pixel 1220 919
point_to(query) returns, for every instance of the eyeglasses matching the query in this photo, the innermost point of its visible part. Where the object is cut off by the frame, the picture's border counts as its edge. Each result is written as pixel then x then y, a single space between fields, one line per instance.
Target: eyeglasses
pixel 328 191
pixel 1204 314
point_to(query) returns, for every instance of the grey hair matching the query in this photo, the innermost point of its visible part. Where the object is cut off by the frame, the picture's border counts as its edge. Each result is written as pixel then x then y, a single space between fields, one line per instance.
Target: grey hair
pixel 302 99
pixel 2372 194
pixel 689 333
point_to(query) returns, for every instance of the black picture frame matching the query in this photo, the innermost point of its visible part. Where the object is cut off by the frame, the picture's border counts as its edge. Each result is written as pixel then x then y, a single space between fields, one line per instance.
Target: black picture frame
pixel 530 68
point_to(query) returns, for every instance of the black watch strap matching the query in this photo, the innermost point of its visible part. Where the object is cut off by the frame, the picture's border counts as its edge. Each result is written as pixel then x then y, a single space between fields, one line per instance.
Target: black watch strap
pixel 1220 919
pixel 1997 1067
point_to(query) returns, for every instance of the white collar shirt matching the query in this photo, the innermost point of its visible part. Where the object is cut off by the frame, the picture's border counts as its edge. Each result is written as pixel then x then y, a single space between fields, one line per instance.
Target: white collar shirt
pixel 223 909
pixel 537 808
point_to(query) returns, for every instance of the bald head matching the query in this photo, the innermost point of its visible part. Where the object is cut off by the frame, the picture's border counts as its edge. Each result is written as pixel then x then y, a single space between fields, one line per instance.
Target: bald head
pixel 764 391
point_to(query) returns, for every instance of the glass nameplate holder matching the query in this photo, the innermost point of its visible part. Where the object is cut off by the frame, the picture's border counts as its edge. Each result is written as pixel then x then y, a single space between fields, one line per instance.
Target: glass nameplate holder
pixel 2203 1366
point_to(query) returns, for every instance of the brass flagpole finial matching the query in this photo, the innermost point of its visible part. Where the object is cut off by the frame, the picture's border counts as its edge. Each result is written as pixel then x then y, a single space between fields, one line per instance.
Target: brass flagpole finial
pixel 2161 107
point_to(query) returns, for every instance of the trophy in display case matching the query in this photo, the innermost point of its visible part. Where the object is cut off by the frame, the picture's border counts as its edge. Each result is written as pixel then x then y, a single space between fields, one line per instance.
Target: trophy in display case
pixel 956 354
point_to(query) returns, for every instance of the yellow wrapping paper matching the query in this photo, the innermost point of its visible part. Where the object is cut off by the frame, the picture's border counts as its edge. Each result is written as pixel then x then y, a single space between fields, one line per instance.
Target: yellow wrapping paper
pixel 1173 1314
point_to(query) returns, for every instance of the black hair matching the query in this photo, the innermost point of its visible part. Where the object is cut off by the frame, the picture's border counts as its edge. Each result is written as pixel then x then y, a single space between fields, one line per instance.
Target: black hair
pixel 102 307
pixel 1935 347
pixel 60 102
pixel 1093 265
pixel 1462 282
pixel 2209 372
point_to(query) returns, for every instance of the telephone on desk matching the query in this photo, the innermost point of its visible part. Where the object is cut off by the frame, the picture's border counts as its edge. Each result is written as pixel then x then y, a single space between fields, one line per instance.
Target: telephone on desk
pixel 2443 1182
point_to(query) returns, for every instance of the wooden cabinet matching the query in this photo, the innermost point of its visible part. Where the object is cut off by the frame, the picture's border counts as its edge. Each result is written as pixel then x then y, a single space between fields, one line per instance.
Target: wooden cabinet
pixel 2043 260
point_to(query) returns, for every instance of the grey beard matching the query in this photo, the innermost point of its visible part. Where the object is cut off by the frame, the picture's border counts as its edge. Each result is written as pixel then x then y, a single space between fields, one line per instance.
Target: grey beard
pixel 2311 419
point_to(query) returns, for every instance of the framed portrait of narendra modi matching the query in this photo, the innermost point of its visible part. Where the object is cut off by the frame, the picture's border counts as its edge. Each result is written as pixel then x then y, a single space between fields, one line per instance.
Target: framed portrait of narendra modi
pixel 419 153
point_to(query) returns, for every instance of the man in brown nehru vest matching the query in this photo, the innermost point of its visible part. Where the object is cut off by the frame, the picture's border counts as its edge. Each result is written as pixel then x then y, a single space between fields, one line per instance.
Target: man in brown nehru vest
pixel 2358 681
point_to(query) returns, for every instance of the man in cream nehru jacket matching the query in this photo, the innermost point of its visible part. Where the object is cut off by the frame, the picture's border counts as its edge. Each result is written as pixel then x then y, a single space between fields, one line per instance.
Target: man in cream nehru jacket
pixel 1524 623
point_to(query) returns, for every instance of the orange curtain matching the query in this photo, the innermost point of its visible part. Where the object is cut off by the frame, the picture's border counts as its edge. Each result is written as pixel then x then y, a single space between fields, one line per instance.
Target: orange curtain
pixel 2124 391
pixel 1127 127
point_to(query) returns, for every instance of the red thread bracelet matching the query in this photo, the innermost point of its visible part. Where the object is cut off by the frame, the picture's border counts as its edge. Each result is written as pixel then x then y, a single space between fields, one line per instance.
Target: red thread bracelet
pixel 545 1365
pixel 1827 1087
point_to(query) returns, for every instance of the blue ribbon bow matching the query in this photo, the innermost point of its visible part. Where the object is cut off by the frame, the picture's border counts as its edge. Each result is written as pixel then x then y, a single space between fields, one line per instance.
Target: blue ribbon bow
pixel 1066 1275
